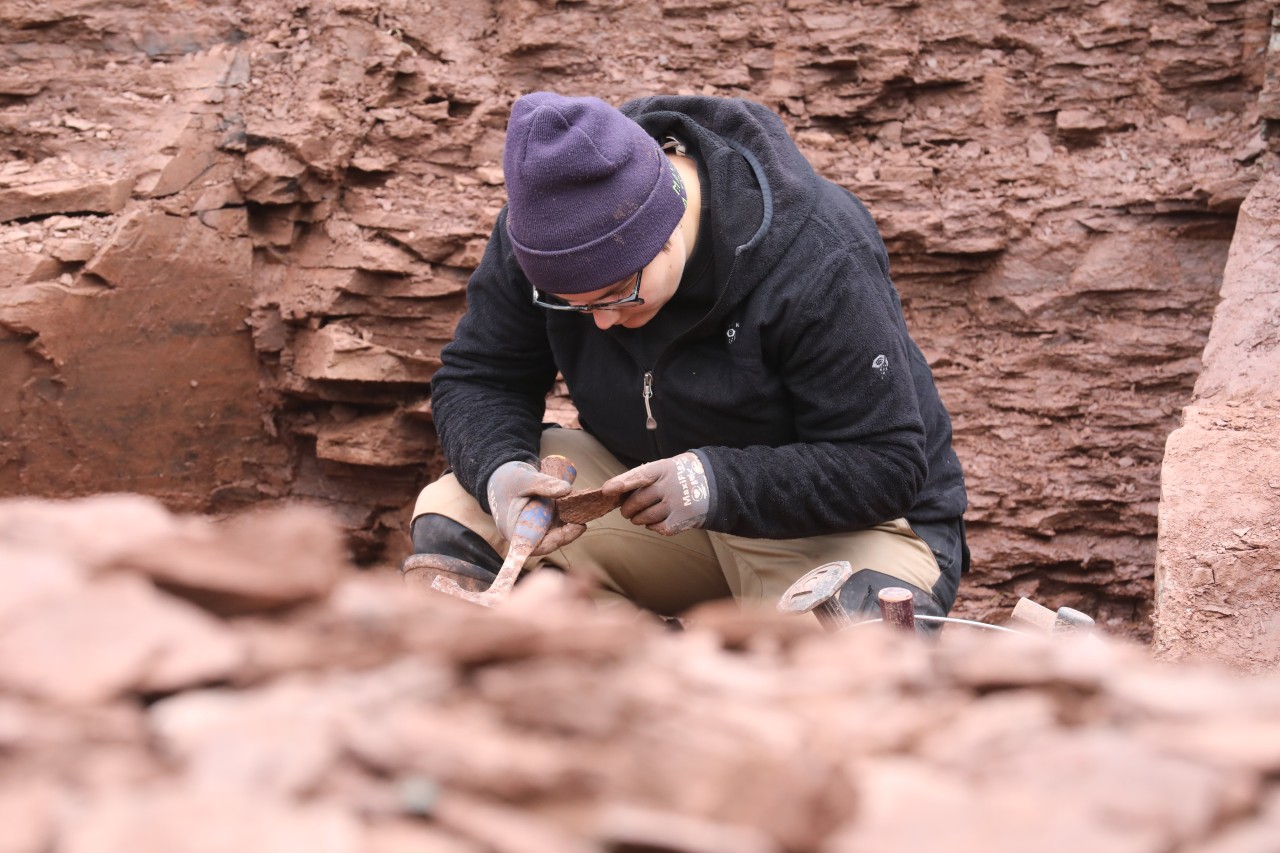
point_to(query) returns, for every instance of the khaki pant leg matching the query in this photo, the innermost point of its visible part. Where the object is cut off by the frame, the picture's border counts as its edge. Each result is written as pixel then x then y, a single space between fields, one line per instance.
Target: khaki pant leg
pixel 760 570
pixel 447 497
pixel 665 574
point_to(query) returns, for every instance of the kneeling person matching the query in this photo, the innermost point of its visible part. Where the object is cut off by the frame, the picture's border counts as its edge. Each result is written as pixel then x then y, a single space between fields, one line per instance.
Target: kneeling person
pixel 728 330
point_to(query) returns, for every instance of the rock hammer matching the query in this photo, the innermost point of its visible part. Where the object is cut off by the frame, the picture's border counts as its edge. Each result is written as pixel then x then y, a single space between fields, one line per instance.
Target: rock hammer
pixel 534 522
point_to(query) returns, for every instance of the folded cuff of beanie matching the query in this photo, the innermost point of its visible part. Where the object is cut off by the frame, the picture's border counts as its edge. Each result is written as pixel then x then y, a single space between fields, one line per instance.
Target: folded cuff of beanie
pixel 613 255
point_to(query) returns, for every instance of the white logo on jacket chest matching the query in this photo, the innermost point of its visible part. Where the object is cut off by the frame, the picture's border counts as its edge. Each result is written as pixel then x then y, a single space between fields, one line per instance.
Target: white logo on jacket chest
pixel 731 333
pixel 880 365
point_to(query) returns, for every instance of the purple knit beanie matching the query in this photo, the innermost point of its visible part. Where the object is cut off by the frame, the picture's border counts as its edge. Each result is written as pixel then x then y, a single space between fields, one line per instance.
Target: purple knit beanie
pixel 591 198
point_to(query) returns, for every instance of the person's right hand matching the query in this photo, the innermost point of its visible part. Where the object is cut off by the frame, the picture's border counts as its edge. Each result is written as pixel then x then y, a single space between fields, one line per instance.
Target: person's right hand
pixel 509 490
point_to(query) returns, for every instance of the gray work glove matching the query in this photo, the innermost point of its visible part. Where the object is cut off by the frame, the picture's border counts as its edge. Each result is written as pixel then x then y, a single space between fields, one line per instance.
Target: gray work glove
pixel 667 495
pixel 509 490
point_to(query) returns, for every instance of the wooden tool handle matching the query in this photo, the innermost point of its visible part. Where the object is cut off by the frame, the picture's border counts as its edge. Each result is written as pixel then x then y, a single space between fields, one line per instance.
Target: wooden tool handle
pixel 897 608
pixel 1030 614
pixel 559 467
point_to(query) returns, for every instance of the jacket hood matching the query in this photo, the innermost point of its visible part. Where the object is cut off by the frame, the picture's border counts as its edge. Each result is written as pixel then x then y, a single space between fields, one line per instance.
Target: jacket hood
pixel 788 185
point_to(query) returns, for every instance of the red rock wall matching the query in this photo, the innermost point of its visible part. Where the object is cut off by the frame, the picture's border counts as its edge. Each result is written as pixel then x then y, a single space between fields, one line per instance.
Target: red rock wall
pixel 1057 182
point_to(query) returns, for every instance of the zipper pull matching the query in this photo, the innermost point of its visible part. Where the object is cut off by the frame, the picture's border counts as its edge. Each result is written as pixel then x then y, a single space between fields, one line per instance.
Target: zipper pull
pixel 649 422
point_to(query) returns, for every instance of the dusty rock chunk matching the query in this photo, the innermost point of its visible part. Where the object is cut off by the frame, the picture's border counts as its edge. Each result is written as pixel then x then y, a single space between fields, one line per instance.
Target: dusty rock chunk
pixel 280 740
pixel 1079 121
pixel 256 561
pixel 271 176
pixel 97 194
pixel 1242 360
pixel 584 506
pixel 1039 149
pixel 91 533
pixel 117 636
pixel 336 353
pixel 376 440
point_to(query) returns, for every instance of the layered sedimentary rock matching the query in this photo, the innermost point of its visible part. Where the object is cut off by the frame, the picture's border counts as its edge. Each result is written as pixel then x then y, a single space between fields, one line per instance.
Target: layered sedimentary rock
pixel 235 237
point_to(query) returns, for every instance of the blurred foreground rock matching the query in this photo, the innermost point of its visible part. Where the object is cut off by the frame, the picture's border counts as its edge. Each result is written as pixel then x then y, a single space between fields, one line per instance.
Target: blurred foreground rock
pixel 139 714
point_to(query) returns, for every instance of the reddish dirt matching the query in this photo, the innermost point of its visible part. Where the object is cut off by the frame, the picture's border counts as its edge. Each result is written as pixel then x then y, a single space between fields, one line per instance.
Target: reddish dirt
pixel 234 236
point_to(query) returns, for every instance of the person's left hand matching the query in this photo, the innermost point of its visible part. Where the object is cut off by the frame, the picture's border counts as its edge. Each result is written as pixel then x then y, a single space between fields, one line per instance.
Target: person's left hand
pixel 667 495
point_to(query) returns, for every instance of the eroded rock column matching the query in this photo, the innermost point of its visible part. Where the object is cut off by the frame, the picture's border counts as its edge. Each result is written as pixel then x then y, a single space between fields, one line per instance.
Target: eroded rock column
pixel 1218 565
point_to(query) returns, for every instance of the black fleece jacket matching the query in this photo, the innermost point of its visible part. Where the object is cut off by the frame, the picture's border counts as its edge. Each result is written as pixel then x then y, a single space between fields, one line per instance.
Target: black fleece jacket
pixel 800 388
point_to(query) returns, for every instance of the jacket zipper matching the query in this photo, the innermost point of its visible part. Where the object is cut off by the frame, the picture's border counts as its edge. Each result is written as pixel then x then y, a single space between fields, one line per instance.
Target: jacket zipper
pixel 649 422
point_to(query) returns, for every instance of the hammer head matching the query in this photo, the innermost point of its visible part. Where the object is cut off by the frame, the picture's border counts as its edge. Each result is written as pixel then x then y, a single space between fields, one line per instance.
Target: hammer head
pixel 815 588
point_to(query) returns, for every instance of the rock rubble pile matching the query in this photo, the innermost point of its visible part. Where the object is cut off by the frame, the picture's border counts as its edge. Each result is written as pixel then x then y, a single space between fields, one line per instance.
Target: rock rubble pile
pixel 173 684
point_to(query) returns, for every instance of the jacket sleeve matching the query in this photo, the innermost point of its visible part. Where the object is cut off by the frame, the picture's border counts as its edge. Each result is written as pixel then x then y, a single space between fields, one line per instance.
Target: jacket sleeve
pixel 859 458
pixel 489 395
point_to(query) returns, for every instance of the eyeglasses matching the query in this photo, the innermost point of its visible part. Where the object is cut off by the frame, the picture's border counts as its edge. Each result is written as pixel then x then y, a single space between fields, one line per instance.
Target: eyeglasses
pixel 555 303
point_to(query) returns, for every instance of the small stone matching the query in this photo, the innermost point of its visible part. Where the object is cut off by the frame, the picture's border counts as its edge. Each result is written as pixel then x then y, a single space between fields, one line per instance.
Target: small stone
pixel 109 638
pixel 890 133
pixel 1079 121
pixel 491 175
pixel 1039 148
pixel 256 561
